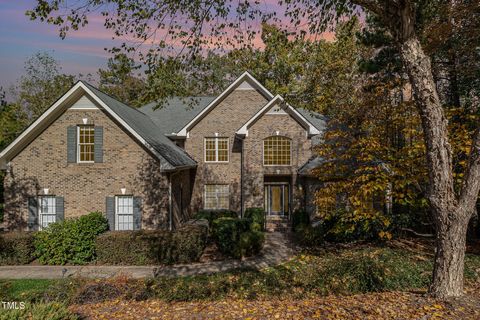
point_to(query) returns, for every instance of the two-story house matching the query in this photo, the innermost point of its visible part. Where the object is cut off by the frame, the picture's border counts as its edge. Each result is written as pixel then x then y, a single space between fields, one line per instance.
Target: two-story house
pixel 155 167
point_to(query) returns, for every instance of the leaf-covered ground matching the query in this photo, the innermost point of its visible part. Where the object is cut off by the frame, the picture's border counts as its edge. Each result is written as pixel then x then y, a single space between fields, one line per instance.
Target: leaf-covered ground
pixel 391 305
pixel 388 305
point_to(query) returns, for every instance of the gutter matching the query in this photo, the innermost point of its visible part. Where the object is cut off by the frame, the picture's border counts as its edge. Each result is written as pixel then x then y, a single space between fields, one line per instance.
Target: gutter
pixel 241 178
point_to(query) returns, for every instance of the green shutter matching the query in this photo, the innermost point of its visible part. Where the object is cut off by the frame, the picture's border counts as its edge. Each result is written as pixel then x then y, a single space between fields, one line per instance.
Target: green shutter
pixel 98 148
pixel 59 209
pixel 110 210
pixel 32 214
pixel 137 213
pixel 72 144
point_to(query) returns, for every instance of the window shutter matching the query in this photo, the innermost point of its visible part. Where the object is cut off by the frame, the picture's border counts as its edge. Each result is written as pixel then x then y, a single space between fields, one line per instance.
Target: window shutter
pixel 59 209
pixel 98 149
pixel 72 144
pixel 137 213
pixel 32 214
pixel 111 213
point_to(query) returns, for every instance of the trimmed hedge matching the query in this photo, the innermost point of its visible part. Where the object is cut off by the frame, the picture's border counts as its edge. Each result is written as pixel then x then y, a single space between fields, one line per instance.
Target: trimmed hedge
pixel 148 247
pixel 257 215
pixel 234 237
pixel 16 248
pixel 309 236
pixel 300 217
pixel 70 241
pixel 211 215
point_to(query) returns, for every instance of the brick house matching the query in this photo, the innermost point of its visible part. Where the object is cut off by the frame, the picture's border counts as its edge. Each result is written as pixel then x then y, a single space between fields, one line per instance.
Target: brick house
pixel 153 168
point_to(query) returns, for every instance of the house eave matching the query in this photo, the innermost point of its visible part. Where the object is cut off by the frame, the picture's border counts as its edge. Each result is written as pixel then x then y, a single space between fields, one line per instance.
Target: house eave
pixel 245 76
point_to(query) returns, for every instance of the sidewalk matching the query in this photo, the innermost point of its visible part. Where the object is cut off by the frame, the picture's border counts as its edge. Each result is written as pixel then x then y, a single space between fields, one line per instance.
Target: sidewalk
pixel 277 249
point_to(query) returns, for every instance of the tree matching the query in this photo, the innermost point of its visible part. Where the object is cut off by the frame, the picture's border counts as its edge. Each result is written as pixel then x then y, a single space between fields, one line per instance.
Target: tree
pixel 225 21
pixel 41 85
pixel 120 81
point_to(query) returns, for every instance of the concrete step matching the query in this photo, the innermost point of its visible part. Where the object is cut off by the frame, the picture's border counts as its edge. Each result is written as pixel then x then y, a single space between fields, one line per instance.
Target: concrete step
pixel 278 224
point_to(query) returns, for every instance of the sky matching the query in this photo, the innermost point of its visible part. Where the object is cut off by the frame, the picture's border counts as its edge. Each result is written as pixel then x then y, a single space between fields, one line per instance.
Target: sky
pixel 81 52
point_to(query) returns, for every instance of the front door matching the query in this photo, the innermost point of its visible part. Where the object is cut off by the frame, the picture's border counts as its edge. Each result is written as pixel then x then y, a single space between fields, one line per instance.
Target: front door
pixel 277 198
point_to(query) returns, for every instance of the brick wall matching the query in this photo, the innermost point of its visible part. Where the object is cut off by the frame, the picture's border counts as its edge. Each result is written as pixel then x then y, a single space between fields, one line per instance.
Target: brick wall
pixel 267 126
pixel 225 119
pixel 43 164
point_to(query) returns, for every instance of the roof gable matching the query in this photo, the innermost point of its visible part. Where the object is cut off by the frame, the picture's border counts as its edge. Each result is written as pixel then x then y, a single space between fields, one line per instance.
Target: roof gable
pixel 134 121
pixel 251 83
pixel 286 109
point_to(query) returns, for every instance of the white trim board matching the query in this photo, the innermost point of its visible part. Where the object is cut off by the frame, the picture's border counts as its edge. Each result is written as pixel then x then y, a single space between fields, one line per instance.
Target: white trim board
pixel 311 130
pixel 244 77
pixel 54 111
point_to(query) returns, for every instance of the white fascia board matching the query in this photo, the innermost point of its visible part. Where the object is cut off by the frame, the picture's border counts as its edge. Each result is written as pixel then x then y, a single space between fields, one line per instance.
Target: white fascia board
pixel 25 134
pixel 244 129
pixel 122 122
pixel 290 110
pixel 245 76
pixel 311 128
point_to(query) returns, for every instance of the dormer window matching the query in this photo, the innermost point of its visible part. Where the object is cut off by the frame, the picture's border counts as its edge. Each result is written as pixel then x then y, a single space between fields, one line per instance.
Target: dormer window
pixel 86 144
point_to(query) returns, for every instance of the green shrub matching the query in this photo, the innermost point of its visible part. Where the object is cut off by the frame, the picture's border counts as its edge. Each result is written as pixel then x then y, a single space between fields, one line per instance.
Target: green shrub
pixel 16 248
pixel 41 311
pixel 2 206
pixel 70 241
pixel 300 217
pixel 309 236
pixel 250 243
pixel 257 215
pixel 211 215
pixel 236 237
pixel 148 247
pixel 226 233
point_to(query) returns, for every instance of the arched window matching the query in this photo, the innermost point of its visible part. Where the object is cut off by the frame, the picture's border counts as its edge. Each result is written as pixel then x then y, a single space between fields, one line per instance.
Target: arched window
pixel 277 151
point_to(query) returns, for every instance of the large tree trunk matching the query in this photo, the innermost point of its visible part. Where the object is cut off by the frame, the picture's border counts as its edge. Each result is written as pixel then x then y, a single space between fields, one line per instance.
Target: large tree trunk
pixel 450 213
pixel 450 219
pixel 449 257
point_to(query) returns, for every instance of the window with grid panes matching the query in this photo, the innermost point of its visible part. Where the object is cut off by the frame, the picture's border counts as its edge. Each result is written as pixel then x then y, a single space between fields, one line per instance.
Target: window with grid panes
pixel 277 151
pixel 86 143
pixel 216 149
pixel 216 196
pixel 124 213
pixel 46 211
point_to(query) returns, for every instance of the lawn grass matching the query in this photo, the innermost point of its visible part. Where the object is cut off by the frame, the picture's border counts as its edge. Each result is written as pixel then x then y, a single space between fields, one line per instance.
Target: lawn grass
pixel 357 269
pixel 24 289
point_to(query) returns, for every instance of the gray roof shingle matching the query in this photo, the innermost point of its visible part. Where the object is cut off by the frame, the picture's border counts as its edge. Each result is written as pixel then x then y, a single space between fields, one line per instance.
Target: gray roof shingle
pixel 174 113
pixel 318 120
pixel 143 125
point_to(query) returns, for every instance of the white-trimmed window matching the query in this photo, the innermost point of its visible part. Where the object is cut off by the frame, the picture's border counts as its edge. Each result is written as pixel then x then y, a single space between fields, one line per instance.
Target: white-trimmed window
pixel 86 144
pixel 217 196
pixel 277 151
pixel 123 213
pixel 216 149
pixel 46 211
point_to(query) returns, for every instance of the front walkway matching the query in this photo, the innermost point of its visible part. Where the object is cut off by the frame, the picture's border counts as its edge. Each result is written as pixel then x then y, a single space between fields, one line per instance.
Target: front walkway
pixel 277 249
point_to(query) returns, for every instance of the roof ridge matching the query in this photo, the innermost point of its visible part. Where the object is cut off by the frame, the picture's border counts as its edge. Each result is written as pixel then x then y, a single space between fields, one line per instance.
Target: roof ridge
pixel 110 96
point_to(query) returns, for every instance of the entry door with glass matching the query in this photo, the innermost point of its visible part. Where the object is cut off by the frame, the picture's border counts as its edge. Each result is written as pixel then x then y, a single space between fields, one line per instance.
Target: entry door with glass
pixel 277 199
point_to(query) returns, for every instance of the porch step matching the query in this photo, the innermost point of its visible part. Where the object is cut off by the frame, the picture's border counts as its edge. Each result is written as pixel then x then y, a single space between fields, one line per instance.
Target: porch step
pixel 278 224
